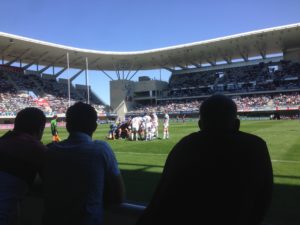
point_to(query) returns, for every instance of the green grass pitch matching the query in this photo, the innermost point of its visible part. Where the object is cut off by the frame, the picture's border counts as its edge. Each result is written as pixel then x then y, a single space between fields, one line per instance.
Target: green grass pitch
pixel 141 162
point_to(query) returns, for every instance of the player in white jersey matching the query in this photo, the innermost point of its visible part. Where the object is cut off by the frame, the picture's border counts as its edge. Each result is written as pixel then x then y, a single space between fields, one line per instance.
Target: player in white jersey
pixel 154 124
pixel 147 126
pixel 135 126
pixel 166 125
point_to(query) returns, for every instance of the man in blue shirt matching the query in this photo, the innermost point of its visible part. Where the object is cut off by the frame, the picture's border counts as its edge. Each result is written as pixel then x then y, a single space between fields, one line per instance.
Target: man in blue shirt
pixel 81 176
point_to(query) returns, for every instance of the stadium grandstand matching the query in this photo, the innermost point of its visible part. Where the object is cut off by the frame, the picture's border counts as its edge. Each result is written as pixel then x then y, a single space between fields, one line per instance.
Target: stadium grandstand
pixel 260 70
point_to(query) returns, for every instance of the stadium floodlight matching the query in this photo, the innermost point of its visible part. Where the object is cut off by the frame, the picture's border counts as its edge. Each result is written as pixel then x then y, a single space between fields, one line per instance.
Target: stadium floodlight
pixel 69 85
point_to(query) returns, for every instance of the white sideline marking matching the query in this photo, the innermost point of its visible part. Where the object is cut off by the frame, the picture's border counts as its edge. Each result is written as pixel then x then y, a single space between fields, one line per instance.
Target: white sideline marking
pixel 161 154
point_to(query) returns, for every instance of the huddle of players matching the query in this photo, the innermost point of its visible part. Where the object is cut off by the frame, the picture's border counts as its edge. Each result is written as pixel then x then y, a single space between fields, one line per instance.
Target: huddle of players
pixel 140 128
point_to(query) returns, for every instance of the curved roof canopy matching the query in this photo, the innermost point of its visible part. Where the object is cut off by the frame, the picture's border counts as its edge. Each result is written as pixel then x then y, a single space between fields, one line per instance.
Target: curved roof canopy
pixel 261 42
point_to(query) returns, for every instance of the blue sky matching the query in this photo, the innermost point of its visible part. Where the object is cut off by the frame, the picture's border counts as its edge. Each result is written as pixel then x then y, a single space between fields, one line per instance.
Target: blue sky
pixel 132 25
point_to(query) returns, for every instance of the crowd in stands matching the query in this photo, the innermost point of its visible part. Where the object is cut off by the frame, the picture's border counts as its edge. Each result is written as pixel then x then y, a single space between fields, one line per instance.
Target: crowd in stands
pixel 275 84
pixel 11 103
pixel 244 102
pixel 18 91
pixel 253 87
pixel 270 76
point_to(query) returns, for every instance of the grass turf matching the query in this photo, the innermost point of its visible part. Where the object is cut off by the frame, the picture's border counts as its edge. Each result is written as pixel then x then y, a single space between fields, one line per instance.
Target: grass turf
pixel 141 162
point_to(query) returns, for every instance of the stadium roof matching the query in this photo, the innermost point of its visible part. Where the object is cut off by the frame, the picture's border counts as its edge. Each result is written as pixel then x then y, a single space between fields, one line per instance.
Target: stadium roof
pixel 274 40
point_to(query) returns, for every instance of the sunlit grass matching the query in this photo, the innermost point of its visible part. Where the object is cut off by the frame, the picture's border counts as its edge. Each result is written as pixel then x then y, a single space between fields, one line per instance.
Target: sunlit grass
pixel 141 162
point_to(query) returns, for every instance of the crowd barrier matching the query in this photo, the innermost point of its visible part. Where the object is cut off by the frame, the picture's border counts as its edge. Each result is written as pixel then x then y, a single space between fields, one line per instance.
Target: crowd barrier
pixel 31 212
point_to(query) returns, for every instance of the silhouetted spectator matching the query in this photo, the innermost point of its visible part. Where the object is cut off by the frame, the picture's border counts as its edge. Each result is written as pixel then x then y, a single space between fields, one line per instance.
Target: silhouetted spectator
pixel 81 176
pixel 218 175
pixel 21 158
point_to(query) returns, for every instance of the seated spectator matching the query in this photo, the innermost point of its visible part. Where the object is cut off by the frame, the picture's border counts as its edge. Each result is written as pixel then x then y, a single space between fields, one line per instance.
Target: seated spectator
pixel 218 175
pixel 21 158
pixel 81 176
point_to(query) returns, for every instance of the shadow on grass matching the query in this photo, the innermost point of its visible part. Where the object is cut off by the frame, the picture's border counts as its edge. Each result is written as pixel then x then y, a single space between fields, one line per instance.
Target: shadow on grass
pixel 140 186
pixel 284 210
pixel 285 207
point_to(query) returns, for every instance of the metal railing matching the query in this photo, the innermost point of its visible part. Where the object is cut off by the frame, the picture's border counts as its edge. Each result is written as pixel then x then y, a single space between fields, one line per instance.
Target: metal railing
pixel 125 214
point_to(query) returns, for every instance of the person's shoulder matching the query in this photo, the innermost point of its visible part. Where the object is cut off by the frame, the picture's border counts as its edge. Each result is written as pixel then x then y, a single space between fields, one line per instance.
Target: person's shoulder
pixel 28 143
pixel 188 143
pixel 101 145
pixel 50 145
pixel 58 145
pixel 100 142
pixel 250 136
pixel 103 149
pixel 28 140
pixel 190 138
pixel 249 139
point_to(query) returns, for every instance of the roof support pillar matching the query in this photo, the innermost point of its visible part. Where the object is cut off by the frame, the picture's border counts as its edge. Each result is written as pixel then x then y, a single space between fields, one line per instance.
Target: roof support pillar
pixel 76 75
pixel 87 80
pixel 261 46
pixel 244 53
pixel 128 73
pixel 45 68
pixel 52 64
pixel 11 62
pixel 107 75
pixel 60 72
pixel 227 58
pixel 117 72
pixel 262 52
pixel 213 63
pixel 19 58
pixel 196 65
pixel 245 57
pixel 135 72
pixel 27 66
pixel 69 81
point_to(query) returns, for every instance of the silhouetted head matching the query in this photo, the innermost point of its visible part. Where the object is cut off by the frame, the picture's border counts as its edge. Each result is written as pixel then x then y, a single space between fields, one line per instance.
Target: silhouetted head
pixel 55 117
pixel 31 121
pixel 81 117
pixel 218 113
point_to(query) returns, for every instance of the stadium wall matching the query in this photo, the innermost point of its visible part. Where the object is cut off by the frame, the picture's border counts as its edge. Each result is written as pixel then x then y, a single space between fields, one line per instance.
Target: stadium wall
pixel 151 85
pixel 120 90
pixel 128 91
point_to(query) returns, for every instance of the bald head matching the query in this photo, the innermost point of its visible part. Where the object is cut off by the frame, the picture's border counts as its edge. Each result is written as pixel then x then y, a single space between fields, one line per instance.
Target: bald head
pixel 218 113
